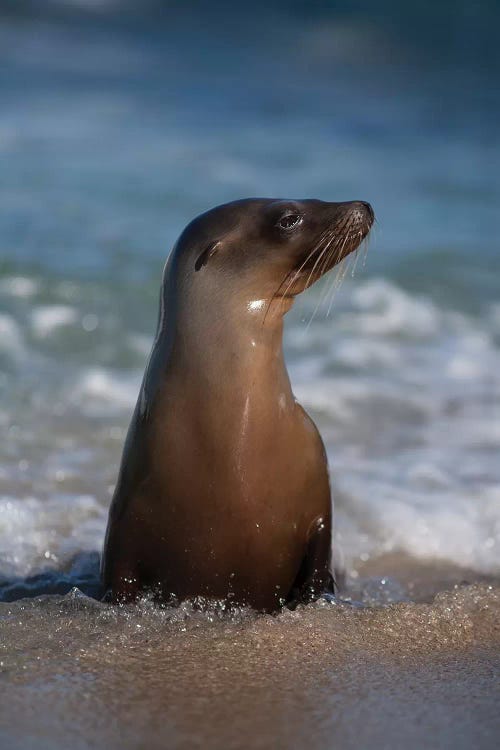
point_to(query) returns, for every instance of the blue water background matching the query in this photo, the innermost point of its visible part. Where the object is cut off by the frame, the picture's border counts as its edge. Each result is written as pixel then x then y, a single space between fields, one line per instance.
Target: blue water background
pixel 120 122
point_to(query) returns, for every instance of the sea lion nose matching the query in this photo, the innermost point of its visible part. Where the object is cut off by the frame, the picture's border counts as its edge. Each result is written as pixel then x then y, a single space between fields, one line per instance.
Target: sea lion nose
pixel 369 210
pixel 363 209
pixel 358 210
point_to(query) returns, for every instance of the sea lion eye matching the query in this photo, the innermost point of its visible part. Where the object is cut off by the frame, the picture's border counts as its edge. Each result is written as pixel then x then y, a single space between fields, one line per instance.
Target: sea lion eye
pixel 290 221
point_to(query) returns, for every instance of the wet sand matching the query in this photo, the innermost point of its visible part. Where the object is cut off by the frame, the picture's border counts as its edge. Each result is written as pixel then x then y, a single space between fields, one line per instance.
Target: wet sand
pixel 81 674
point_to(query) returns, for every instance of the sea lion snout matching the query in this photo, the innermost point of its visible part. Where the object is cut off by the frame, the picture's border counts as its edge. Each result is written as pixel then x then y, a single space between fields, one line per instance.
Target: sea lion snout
pixel 354 215
pixel 338 230
pixel 362 213
pixel 370 211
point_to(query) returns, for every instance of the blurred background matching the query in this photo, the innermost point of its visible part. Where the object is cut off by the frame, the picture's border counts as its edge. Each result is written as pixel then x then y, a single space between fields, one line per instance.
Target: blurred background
pixel 121 120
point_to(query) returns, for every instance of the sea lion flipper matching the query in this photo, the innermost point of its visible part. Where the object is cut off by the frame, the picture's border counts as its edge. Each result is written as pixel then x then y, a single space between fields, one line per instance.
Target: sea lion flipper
pixel 315 577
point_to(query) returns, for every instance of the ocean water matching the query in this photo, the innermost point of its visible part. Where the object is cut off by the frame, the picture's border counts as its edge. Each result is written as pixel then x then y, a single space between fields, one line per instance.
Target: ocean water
pixel 119 122
pixel 116 129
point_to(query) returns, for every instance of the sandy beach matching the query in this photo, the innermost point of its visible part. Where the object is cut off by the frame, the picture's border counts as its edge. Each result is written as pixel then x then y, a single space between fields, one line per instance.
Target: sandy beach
pixel 82 674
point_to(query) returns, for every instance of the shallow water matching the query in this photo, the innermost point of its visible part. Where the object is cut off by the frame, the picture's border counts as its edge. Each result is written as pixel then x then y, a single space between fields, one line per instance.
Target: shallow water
pixel 115 130
pixel 405 393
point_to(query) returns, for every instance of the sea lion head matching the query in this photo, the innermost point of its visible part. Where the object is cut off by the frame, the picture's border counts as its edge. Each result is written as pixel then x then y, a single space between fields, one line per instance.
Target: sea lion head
pixel 266 249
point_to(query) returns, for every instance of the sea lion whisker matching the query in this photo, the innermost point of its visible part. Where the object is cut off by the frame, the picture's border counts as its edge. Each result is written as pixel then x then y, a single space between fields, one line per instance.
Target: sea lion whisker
pixel 329 286
pixel 339 276
pixel 324 265
pixel 321 296
pixel 318 259
pixel 328 235
pixel 297 271
pixel 285 277
pixel 356 257
pixel 343 268
pixel 330 251
pixel 335 283
pixel 333 254
pixel 274 296
pixel 333 248
pixel 366 243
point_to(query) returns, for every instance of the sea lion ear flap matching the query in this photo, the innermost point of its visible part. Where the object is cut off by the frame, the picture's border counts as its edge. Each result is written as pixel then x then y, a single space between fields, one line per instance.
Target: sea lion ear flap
pixel 207 253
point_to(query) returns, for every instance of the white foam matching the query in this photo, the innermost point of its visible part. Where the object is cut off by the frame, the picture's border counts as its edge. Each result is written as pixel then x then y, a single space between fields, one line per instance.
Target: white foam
pixel 101 387
pixel 11 337
pixel 38 534
pixel 19 286
pixel 446 525
pixel 140 343
pixel 366 352
pixel 386 310
pixel 45 319
pixel 471 358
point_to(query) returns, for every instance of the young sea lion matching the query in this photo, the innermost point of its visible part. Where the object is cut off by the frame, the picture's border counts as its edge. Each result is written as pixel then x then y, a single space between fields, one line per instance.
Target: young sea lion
pixel 224 490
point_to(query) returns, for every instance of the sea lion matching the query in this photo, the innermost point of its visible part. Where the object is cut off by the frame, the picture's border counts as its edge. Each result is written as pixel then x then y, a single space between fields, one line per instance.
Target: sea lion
pixel 223 490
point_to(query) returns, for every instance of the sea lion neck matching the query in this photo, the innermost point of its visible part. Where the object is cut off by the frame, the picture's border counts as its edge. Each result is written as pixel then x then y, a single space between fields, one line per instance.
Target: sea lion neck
pixel 230 338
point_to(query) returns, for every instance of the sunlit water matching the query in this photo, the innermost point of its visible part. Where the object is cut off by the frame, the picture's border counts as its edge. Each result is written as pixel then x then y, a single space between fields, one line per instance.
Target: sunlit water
pixel 111 138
